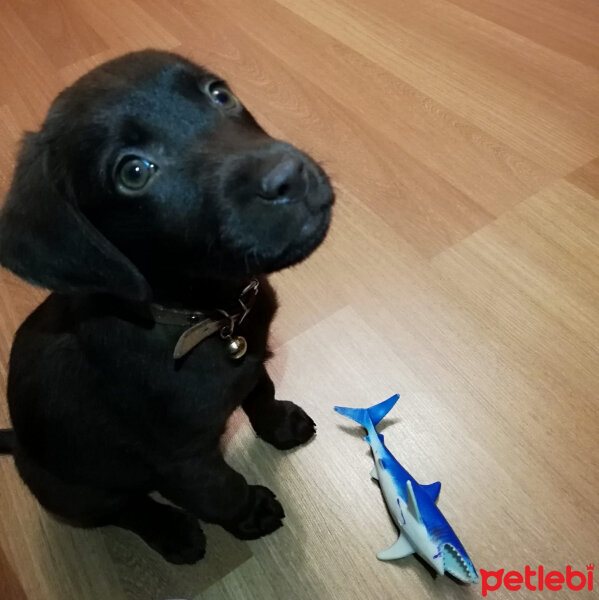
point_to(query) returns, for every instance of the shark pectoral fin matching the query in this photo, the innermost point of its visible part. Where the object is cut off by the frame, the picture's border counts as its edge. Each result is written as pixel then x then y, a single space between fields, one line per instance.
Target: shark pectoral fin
pixel 400 549
pixel 374 474
pixel 412 504
pixel 433 490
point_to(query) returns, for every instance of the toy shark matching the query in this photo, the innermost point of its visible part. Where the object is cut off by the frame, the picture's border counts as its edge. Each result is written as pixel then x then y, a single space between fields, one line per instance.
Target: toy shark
pixel 424 529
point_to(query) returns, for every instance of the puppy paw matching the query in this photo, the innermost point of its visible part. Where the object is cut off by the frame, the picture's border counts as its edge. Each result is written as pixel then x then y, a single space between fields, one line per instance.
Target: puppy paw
pixel 263 515
pixel 284 425
pixel 178 537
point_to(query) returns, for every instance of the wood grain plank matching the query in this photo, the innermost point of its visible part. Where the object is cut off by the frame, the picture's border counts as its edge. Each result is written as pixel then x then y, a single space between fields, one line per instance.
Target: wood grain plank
pixel 9 133
pixel 10 586
pixel 494 101
pixel 23 60
pixel 568 27
pixel 587 177
pixel 58 30
pixel 538 304
pixel 123 26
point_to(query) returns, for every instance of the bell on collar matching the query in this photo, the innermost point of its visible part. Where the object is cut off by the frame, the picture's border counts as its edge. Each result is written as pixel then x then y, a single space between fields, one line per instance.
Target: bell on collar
pixel 236 347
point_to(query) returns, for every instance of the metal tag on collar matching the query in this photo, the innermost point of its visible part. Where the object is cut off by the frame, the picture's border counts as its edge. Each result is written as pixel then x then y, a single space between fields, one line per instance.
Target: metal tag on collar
pixel 197 333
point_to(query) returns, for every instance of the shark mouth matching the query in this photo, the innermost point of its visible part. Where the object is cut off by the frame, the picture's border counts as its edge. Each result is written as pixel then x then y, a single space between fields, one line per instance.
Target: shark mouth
pixel 454 564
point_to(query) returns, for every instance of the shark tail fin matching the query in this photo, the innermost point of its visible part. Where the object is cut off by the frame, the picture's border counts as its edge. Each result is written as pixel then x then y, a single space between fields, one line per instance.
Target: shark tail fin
pixel 373 414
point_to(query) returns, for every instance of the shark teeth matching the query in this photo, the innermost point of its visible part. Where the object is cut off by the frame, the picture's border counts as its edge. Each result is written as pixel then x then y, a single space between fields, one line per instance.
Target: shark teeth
pixel 454 563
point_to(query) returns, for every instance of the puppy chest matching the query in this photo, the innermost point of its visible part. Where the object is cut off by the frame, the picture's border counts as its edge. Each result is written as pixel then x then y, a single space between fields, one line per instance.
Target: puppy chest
pixel 204 390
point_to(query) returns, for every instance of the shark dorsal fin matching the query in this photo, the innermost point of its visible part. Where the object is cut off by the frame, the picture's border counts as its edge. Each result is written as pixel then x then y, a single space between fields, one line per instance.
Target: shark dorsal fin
pixel 432 490
pixel 412 504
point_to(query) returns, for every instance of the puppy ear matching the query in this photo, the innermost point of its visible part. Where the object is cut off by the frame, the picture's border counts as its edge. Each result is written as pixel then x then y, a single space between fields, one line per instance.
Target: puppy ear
pixel 46 239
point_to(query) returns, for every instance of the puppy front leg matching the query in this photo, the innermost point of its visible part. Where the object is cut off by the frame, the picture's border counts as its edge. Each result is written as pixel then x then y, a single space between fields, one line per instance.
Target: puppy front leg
pixel 210 489
pixel 279 422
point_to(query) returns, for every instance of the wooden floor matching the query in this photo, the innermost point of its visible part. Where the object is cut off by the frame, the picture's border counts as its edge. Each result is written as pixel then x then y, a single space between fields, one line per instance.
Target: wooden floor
pixel 462 271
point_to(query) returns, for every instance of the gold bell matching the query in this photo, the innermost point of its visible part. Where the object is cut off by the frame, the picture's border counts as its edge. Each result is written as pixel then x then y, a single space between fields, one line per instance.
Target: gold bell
pixel 236 347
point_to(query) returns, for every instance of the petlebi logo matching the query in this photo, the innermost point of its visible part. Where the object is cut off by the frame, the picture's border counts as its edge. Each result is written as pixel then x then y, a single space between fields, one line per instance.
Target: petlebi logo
pixel 539 580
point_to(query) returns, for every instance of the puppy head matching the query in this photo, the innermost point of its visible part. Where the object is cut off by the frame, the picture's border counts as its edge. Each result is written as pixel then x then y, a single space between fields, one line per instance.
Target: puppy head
pixel 149 169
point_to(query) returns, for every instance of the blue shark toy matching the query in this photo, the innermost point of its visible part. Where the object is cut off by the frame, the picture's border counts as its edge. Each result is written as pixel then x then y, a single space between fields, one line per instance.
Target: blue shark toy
pixel 424 529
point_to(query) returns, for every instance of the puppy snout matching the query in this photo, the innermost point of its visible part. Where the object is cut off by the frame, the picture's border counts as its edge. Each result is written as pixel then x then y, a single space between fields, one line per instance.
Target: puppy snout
pixel 285 180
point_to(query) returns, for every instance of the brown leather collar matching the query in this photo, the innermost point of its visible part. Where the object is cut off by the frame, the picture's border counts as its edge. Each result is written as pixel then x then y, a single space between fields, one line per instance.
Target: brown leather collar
pixel 200 325
pixel 176 316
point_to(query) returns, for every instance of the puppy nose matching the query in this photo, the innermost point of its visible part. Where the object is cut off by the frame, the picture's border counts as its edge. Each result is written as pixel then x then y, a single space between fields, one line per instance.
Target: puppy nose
pixel 285 181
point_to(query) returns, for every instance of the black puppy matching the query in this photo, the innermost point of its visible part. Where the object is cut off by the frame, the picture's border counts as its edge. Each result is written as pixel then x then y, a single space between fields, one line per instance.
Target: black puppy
pixel 151 202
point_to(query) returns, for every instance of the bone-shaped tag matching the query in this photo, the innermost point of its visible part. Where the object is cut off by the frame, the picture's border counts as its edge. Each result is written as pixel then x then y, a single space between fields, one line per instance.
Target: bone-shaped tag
pixel 197 333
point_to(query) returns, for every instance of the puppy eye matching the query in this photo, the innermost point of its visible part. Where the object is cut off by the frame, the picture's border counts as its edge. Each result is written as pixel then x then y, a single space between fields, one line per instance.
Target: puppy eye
pixel 134 173
pixel 221 95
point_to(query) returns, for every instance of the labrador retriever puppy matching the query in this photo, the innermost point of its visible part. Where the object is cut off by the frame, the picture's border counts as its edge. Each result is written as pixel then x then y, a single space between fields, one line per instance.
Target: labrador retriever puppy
pixel 153 206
